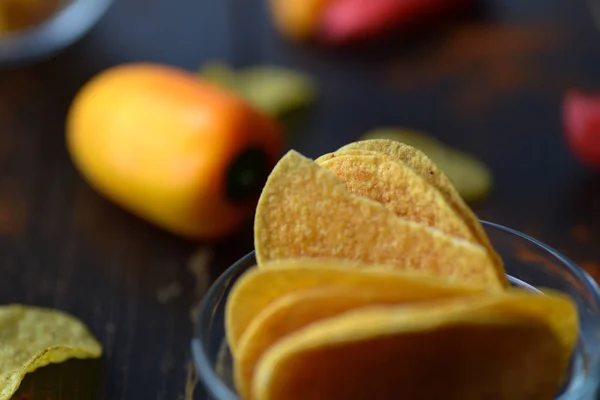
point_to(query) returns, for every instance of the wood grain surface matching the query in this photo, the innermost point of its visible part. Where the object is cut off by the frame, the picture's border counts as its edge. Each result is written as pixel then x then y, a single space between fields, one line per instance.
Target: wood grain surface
pixel 491 84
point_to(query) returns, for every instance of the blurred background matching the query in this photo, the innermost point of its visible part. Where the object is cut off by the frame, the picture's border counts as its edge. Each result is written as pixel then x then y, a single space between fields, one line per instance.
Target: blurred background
pixel 501 93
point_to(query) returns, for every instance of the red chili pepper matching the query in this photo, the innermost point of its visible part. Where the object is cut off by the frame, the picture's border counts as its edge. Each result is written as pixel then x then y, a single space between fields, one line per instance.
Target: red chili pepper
pixel 353 20
pixel 581 118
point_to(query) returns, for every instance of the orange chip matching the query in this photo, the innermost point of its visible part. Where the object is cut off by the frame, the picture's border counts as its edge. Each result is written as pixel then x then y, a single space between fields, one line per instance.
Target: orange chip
pixel 505 346
pixel 305 211
pixel 429 171
pixel 258 288
pixel 399 188
pixel 300 308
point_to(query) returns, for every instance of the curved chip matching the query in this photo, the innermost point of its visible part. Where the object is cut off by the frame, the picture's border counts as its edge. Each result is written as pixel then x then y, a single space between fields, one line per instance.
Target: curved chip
pixel 429 171
pixel 470 176
pixel 347 152
pixel 33 337
pixel 305 211
pixel 501 346
pixel 429 145
pixel 399 188
pixel 301 308
pixel 259 287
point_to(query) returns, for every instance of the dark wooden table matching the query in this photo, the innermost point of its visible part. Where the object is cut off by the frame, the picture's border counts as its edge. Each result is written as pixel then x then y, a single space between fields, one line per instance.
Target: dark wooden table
pixel 491 84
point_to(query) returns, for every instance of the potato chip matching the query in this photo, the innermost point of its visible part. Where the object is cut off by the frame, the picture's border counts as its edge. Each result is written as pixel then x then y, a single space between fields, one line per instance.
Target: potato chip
pixel 399 188
pixel 300 308
pixel 305 211
pixel 259 287
pixel 429 145
pixel 33 337
pixel 499 346
pixel 346 152
pixel 470 176
pixel 429 171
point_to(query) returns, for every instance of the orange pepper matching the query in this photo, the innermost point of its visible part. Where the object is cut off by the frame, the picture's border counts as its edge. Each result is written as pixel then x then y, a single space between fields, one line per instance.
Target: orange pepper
pixel 172 148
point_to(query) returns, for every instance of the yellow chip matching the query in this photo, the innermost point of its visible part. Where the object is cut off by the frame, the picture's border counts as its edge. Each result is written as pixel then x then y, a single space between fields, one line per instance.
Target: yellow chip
pixel 429 171
pixel 429 145
pixel 347 152
pixel 259 287
pixel 471 177
pixel 33 337
pixel 305 211
pixel 503 346
pixel 301 308
pixel 399 188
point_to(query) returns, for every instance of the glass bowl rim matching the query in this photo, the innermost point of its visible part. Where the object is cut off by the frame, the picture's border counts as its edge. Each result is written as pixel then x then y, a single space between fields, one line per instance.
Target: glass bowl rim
pixel 215 385
pixel 50 35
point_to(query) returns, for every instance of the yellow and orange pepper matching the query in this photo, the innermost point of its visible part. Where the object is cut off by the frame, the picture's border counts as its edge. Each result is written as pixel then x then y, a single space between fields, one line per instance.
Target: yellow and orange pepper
pixel 172 148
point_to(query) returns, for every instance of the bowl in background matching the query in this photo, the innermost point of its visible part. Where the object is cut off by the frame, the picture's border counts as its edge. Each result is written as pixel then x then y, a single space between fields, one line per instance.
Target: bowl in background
pixel 61 29
pixel 528 263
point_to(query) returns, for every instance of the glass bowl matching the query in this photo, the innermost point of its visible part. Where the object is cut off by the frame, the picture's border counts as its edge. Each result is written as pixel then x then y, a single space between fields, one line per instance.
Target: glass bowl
pixel 528 263
pixel 58 31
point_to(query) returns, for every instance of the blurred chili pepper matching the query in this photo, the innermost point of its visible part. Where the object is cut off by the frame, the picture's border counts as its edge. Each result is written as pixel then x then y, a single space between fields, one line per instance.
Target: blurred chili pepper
pixel 354 20
pixel 581 119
